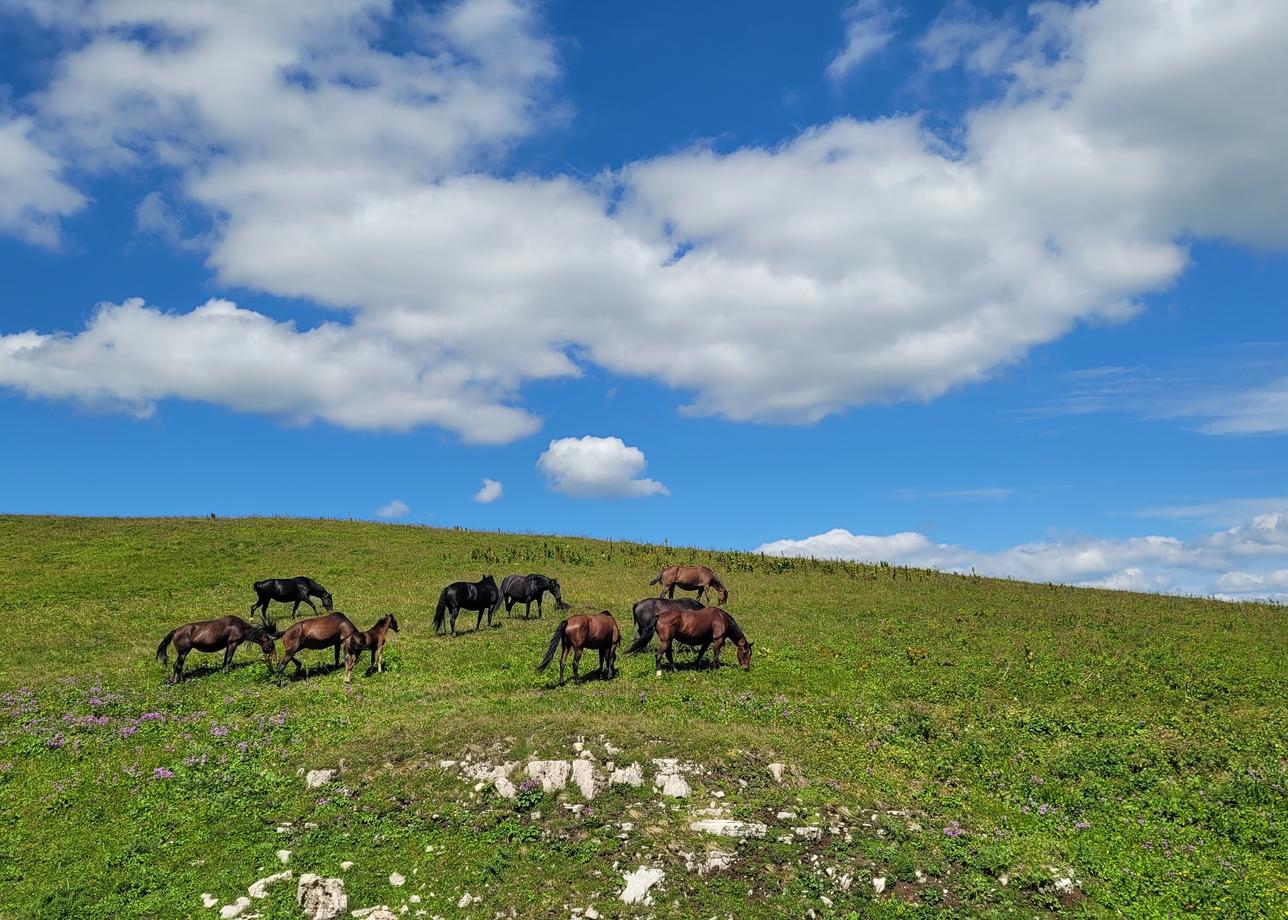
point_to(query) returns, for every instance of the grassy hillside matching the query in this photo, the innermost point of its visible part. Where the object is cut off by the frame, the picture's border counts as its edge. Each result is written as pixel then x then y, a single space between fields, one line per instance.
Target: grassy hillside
pixel 1095 751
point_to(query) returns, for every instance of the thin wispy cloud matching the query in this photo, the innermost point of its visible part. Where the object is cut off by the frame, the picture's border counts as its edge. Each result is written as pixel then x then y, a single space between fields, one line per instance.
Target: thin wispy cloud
pixel 869 28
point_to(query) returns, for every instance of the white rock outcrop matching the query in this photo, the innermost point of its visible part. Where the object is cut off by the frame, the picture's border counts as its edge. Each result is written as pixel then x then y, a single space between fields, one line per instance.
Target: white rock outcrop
pixel 321 898
pixel 260 888
pixel 638 884
pixel 316 779
pixel 725 827
pixel 552 774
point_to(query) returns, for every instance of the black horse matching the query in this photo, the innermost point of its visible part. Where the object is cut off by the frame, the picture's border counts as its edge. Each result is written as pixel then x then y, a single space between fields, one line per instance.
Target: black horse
pixel 481 596
pixel 648 610
pixel 286 590
pixel 524 589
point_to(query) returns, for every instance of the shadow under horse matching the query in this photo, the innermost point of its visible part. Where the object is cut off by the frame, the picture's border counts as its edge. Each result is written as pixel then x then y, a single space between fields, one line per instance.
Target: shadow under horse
pixel 585 631
pixel 524 589
pixel 483 596
pixel 224 634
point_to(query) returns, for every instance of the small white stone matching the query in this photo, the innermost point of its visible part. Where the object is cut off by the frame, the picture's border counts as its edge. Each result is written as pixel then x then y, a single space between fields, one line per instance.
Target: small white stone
pixel 446 764
pixel 321 898
pixel 674 785
pixel 415 899
pixel 283 856
pixel 878 884
pixel 229 911
pixel 466 900
pixel 591 914
pixel 723 827
pixel 808 833
pixel 397 880
pixel 316 779
pixel 208 899
pixel 1064 885
pixel 347 865
pixel 260 888
pixel 1003 880
pixel 776 771
pixel 627 776
pixel 827 902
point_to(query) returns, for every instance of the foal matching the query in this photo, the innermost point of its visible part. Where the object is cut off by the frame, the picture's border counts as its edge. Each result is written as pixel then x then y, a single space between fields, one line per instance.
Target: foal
pixel 330 630
pixel 374 640
pixel 223 634
pixel 581 632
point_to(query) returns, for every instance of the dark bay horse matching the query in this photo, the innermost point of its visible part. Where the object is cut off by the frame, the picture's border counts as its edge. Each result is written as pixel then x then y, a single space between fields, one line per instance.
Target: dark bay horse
pixel 524 589
pixel 287 590
pixel 479 595
pixel 709 626
pixel 598 631
pixel 331 630
pixel 646 611
pixel 690 578
pixel 223 634
pixel 372 640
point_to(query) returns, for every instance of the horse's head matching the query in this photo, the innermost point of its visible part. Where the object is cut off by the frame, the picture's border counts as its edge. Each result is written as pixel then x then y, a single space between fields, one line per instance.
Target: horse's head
pixel 327 603
pixel 554 590
pixel 744 654
pixel 488 580
pixel 393 621
pixel 265 640
pixel 723 595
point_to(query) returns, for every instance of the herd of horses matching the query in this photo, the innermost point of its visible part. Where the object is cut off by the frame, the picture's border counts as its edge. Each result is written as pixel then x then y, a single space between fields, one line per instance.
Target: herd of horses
pixel 686 621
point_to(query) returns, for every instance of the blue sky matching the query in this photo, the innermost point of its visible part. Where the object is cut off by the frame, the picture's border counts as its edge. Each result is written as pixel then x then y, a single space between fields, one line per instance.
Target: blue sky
pixel 963 285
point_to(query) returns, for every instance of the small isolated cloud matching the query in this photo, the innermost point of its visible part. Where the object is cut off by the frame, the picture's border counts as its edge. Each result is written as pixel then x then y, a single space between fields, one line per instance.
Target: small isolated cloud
pixel 593 467
pixel 489 493
pixel 869 27
pixel 395 509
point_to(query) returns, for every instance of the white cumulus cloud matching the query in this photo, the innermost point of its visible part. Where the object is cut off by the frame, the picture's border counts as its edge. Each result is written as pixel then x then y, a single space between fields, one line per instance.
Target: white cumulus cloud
pixel 857 262
pixel 394 509
pixel 592 467
pixel 489 492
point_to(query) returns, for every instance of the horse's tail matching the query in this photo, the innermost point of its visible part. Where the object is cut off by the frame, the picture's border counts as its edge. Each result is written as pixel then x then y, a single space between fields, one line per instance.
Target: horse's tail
pixel 161 653
pixel 441 612
pixel 658 580
pixel 644 638
pixel 555 642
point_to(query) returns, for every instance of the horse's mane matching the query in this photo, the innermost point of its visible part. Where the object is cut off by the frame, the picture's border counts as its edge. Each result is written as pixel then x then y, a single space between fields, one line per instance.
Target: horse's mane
pixel 715 581
pixel 735 631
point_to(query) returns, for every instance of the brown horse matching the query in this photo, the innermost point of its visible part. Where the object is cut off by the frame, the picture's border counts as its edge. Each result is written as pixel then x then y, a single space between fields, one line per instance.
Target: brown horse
pixel 709 626
pixel 223 634
pixel 331 630
pixel 690 578
pixel 374 640
pixel 598 631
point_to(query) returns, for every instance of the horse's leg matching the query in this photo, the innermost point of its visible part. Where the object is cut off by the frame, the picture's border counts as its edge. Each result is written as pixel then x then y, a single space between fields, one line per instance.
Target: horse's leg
pixel 228 655
pixel 670 591
pixel 337 653
pixel 670 655
pixel 294 610
pixel 539 614
pixel 576 664
pixel 478 624
pixel 177 676
pixel 715 652
pixel 702 650
pixel 309 602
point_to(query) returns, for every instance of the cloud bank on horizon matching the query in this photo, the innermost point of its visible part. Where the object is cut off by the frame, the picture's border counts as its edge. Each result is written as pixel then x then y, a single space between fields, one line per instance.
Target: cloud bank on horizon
pixel 372 183
pixel 1243 562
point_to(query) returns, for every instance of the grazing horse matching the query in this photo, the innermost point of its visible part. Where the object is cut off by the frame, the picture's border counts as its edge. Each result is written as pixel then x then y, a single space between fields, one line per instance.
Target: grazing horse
pixel 374 640
pixel 223 634
pixel 524 589
pixel 709 626
pixel 286 590
pixel 598 631
pixel 646 611
pixel 331 630
pixel 479 595
pixel 690 578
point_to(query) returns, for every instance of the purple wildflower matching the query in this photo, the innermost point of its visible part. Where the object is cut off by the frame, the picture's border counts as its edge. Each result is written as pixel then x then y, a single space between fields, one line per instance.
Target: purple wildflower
pixel 953 830
pixel 57 741
pixel 162 773
pixel 151 717
pixel 127 730
pixel 1082 825
pixel 1043 808
pixel 243 746
pixel 95 701
pixel 218 731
